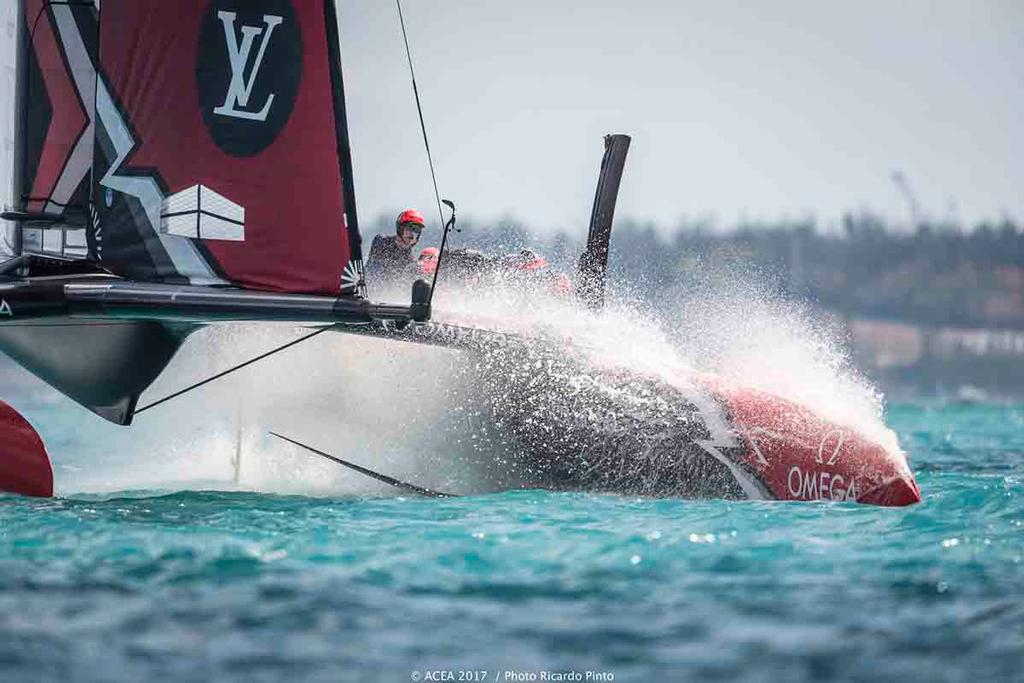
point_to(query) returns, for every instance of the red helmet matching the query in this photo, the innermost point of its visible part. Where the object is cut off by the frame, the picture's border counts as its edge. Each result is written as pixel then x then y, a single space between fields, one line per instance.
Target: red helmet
pixel 409 217
pixel 428 260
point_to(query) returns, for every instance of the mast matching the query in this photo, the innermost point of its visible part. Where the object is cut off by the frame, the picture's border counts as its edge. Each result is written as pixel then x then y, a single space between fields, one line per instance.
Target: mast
pixel 20 92
pixel 914 206
pixel 344 148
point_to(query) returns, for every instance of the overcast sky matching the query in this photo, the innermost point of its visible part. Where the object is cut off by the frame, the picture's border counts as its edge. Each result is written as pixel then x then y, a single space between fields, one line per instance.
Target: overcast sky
pixel 737 109
pixel 755 109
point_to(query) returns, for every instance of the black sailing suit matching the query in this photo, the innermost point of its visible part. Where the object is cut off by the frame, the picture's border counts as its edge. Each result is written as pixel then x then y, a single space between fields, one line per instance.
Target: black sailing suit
pixel 389 262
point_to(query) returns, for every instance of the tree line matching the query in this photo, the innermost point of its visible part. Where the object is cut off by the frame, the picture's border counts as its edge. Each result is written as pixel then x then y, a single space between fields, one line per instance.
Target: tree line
pixel 933 274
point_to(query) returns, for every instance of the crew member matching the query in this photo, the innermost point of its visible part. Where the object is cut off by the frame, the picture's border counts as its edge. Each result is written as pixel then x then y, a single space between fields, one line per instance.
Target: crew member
pixel 391 256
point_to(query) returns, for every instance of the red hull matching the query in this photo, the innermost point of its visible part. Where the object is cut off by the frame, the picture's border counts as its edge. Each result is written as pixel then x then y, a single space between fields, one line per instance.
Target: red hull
pixel 24 465
pixel 797 455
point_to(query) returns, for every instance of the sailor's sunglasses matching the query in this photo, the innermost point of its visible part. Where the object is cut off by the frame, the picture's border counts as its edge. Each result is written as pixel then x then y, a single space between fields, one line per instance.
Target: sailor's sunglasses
pixel 415 228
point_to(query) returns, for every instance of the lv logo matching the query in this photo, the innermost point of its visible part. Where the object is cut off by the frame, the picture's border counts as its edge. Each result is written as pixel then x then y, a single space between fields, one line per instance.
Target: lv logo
pixel 236 102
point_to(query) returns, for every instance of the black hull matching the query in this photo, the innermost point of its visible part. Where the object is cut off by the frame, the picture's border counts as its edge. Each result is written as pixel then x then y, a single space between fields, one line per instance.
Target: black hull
pixel 105 296
pixel 102 341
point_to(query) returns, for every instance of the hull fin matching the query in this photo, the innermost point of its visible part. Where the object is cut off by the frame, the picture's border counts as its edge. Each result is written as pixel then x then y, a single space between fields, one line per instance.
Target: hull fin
pixel 104 366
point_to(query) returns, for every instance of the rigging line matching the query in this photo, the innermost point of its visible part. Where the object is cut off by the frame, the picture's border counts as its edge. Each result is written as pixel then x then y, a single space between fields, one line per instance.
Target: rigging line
pixel 258 358
pixel 440 252
pixel 419 109
pixel 397 483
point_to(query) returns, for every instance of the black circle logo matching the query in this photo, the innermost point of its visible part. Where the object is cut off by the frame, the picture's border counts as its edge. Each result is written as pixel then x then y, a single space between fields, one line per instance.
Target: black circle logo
pixel 248 72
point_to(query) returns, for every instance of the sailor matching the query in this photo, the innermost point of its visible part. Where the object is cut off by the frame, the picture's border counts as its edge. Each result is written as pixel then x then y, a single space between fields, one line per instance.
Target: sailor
pixel 391 256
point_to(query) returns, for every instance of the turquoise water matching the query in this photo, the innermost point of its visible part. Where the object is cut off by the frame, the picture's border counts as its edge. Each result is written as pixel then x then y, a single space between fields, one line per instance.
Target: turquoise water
pixel 239 586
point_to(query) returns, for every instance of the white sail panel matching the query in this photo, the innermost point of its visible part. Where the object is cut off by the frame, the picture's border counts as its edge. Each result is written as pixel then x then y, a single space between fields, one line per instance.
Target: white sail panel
pixel 201 213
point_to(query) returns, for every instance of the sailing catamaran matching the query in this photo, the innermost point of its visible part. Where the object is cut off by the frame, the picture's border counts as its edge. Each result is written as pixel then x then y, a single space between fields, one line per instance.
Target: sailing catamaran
pixel 187 163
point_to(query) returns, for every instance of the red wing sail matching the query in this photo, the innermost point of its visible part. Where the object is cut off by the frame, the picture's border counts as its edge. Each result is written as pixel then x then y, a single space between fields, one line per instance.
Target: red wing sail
pixel 56 129
pixel 54 125
pixel 221 146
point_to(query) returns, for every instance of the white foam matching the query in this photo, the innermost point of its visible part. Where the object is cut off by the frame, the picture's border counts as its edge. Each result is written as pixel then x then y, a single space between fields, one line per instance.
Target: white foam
pixel 723 319
pixel 405 409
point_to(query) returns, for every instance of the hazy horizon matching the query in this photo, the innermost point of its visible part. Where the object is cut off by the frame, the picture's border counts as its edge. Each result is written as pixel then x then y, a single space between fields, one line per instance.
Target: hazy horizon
pixel 800 109
pixel 736 111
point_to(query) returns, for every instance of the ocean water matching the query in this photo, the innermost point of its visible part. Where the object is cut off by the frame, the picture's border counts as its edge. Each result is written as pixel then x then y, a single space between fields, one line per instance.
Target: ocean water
pixel 203 586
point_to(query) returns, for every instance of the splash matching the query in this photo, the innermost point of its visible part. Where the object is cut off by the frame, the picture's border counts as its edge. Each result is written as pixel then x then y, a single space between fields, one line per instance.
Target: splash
pixel 393 407
pixel 459 421
pixel 431 415
pixel 726 320
pixel 734 321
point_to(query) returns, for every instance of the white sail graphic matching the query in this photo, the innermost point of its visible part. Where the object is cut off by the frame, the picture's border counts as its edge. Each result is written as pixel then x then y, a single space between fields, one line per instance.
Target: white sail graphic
pixel 201 213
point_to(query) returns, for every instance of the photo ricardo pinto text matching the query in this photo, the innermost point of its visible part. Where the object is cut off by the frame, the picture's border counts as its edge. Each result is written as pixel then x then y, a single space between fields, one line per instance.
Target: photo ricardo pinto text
pixel 508 676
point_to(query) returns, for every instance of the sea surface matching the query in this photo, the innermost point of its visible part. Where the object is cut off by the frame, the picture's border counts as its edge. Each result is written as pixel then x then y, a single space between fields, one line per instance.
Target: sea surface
pixel 530 585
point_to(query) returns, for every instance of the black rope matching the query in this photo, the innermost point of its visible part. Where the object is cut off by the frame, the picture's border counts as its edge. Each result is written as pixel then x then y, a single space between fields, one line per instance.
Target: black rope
pixel 176 394
pixel 419 109
pixel 397 483
pixel 440 253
